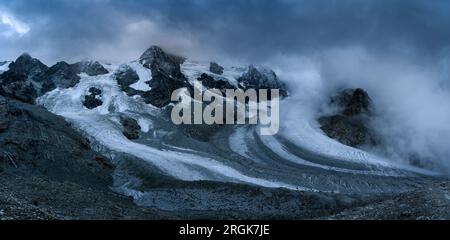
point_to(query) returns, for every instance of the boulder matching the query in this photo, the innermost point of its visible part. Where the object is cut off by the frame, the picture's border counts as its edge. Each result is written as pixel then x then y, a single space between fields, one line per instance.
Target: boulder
pixel 350 125
pixel 216 68
pixel 131 128
pixel 94 99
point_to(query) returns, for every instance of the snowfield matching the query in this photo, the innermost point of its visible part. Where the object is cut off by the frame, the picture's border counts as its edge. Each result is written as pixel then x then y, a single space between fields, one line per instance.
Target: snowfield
pixel 300 157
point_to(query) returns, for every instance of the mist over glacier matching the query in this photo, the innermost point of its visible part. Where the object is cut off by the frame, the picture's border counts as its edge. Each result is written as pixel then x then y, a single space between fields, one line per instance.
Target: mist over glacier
pixel 411 98
pixel 397 52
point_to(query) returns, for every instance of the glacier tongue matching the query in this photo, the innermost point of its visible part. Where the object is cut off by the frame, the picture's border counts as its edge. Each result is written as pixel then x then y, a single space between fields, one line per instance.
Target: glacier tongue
pixel 299 157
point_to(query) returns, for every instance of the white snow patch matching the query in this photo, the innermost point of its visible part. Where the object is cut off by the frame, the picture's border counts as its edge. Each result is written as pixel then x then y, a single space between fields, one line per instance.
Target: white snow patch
pixel 194 69
pixel 4 67
pixel 145 124
pixel 144 74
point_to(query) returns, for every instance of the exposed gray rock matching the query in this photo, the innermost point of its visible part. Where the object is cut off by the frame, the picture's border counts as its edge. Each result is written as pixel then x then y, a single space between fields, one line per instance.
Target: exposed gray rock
pixel 431 202
pixel 94 99
pixel 91 68
pixel 352 102
pixel 261 78
pixel 3 63
pixel 131 128
pixel 21 90
pixel 20 80
pixel 25 68
pixel 40 198
pixel 350 125
pixel 162 87
pixel 60 75
pixel 125 77
pixel 64 75
pixel 212 83
pixel 36 142
pixel 155 58
pixel 216 68
pixel 166 76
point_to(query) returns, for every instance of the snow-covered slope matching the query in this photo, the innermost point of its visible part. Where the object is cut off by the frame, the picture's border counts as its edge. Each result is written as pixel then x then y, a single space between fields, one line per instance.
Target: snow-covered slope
pixel 194 69
pixel 299 157
pixel 4 66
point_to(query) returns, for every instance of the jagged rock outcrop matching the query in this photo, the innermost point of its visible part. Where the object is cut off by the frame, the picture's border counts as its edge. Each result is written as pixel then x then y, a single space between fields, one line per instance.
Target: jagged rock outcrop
pixel 93 100
pixel 216 68
pixel 36 142
pixel 131 128
pixel 261 78
pixel 64 75
pixel 21 80
pixel 21 90
pixel 156 59
pixel 60 75
pixel 24 68
pixel 212 83
pixel 350 124
pixel 166 76
pixel 91 68
pixel 27 77
pixel 125 77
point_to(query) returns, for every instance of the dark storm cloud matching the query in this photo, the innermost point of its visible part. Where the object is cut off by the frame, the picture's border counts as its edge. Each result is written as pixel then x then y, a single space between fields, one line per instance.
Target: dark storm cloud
pixel 253 29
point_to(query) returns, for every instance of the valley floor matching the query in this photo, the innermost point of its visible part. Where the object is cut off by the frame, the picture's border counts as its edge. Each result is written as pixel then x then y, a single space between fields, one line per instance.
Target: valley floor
pixel 36 198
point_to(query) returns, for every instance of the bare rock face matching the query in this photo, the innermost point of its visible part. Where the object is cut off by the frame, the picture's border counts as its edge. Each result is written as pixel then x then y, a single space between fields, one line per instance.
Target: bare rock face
pixel 261 78
pixel 216 68
pixel 126 76
pixel 27 67
pixel 166 76
pixel 212 83
pixel 33 141
pixel 64 75
pixel 91 68
pixel 155 58
pixel 350 125
pixel 131 128
pixel 20 81
pixel 60 75
pixel 93 100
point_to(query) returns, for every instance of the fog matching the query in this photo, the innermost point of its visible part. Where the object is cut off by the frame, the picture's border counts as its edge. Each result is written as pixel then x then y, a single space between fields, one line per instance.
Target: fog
pixel 396 50
pixel 411 99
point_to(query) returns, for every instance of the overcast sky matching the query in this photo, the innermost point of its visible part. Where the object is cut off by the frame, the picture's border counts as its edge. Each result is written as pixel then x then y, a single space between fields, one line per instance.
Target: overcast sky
pixel 119 30
pixel 395 49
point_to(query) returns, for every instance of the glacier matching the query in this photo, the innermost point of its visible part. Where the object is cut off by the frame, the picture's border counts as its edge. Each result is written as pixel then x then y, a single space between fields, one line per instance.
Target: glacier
pixel 300 157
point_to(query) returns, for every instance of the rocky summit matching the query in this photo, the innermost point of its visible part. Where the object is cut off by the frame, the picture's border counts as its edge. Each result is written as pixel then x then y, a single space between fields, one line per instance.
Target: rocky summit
pixel 350 124
pixel 261 78
pixel 216 68
pixel 28 78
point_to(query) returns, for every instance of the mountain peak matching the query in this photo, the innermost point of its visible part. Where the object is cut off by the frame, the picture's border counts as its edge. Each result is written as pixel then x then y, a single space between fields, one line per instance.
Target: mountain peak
pixel 156 55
